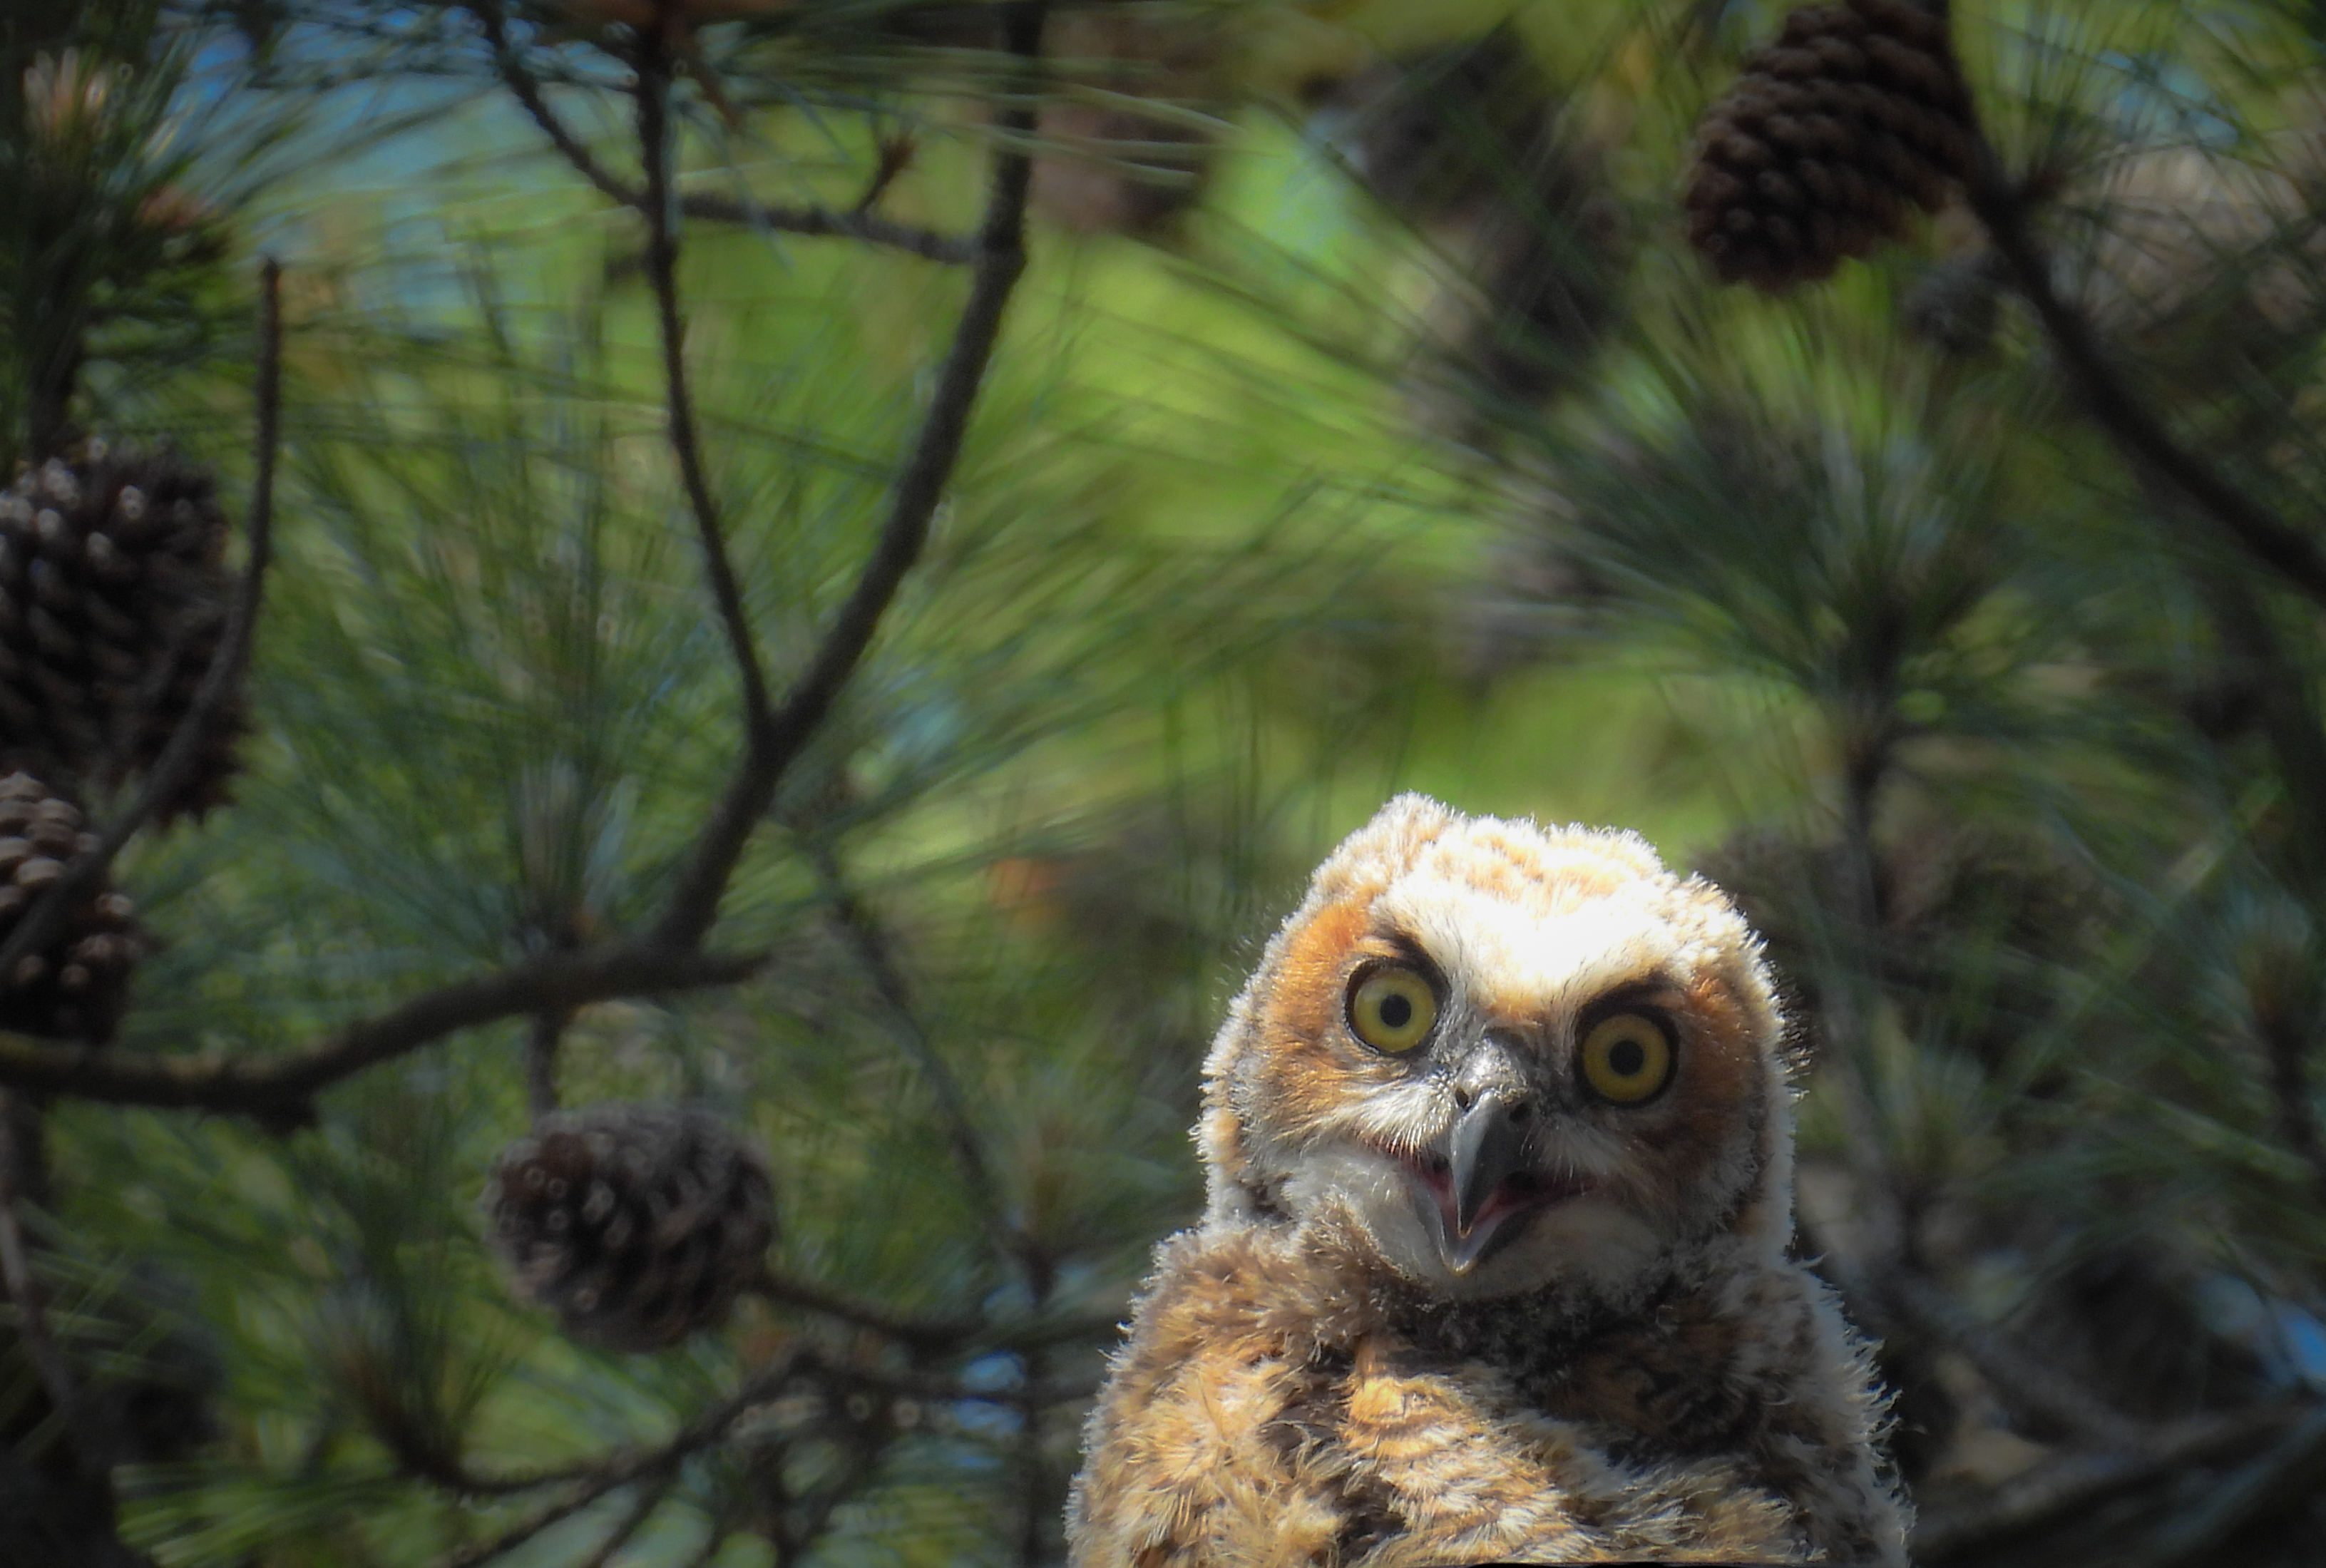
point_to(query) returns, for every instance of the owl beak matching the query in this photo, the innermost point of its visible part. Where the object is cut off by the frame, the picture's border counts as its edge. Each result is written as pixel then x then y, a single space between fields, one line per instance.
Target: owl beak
pixel 1487 1148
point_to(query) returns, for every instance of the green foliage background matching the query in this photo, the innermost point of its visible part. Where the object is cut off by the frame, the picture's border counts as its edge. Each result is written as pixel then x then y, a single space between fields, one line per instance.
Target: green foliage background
pixel 2007 752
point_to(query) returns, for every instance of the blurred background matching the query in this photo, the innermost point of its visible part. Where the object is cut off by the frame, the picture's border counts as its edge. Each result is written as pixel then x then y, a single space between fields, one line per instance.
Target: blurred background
pixel 1362 421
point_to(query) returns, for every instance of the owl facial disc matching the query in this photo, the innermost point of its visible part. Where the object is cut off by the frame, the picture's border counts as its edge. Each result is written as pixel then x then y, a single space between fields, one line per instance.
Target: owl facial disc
pixel 1479 1186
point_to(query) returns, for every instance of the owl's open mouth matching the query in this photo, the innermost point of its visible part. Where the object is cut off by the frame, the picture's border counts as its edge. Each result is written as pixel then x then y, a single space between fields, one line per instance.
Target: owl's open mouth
pixel 1499 1217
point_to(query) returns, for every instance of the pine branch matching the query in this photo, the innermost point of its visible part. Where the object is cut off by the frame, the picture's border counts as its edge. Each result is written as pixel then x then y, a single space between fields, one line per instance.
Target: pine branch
pixel 813 222
pixel 2020 1379
pixel 1000 259
pixel 183 753
pixel 2060 1490
pixel 2286 1475
pixel 527 88
pixel 678 402
pixel 279 1087
pixel 862 931
pixel 798 1534
pixel 2139 435
pixel 1895 1296
pixel 645 1464
pixel 1029 1335
pixel 787 1290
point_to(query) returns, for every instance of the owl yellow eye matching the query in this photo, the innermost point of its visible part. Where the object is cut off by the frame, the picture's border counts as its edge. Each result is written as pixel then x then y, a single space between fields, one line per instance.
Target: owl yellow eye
pixel 1627 1058
pixel 1393 1010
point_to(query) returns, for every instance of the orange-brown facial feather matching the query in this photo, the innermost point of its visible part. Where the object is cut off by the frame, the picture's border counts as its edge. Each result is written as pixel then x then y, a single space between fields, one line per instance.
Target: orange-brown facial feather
pixel 1528 934
pixel 1715 1092
pixel 1313 1060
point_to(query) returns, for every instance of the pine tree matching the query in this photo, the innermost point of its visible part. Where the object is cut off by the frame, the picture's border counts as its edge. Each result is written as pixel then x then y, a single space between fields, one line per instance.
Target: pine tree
pixel 649 694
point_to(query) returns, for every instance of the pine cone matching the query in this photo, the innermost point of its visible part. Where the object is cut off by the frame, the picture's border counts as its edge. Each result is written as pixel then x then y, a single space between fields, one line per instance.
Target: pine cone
pixel 637 1224
pixel 76 989
pixel 1856 113
pixel 112 602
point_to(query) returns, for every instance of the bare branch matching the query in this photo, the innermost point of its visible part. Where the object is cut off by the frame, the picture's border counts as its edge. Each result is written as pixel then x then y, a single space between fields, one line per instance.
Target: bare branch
pixel 2139 435
pixel 1002 258
pixel 678 402
pixel 808 221
pixel 279 1087
pixel 182 753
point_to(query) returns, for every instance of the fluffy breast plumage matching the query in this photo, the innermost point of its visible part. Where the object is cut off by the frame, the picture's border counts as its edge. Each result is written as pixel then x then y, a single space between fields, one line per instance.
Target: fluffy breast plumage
pixel 1281 1402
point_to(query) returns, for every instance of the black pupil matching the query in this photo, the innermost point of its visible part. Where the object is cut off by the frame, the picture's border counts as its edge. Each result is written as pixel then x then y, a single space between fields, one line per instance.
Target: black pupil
pixel 1396 1011
pixel 1627 1057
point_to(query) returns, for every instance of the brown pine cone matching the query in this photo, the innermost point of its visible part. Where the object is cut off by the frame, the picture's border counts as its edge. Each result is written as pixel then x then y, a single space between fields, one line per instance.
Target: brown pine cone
pixel 637 1224
pixel 75 989
pixel 112 601
pixel 1828 136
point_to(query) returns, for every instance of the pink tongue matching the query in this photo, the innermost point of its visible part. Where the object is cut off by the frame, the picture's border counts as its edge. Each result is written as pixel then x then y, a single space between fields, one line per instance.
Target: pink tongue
pixel 1505 1198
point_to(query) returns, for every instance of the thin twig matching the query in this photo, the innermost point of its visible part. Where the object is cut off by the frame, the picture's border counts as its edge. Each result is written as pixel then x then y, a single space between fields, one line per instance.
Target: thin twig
pixel 869 227
pixel 174 768
pixel 279 1087
pixel 2286 1475
pixel 527 88
pixel 2019 1378
pixel 863 931
pixel 678 401
pixel 814 222
pixel 785 1290
pixel 2139 435
pixel 2067 1486
pixel 803 1526
pixel 641 1508
pixel 1025 1335
pixel 623 1470
pixel 1000 259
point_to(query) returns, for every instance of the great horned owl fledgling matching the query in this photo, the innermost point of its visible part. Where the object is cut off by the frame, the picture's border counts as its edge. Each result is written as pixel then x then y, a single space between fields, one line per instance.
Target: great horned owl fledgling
pixel 1500 1149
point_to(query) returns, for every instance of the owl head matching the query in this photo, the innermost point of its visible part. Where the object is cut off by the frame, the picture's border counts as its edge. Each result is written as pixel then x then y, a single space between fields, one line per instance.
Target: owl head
pixel 1503 1059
